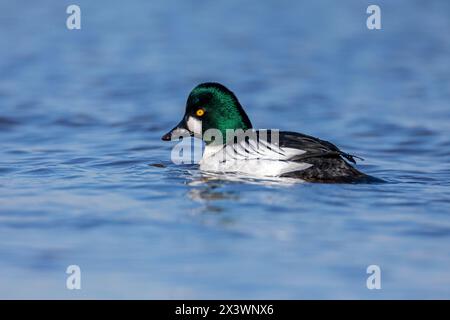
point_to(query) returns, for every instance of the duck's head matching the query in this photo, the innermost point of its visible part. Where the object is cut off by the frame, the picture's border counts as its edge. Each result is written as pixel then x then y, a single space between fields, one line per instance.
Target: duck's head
pixel 210 106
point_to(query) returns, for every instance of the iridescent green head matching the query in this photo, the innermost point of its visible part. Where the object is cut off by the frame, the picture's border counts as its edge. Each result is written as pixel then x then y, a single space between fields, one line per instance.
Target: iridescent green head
pixel 211 106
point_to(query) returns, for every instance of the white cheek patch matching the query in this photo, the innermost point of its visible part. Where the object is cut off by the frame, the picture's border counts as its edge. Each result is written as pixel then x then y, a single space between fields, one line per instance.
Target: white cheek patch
pixel 194 125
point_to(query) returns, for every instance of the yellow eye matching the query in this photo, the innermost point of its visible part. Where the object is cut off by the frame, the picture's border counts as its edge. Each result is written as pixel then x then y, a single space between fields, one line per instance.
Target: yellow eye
pixel 200 112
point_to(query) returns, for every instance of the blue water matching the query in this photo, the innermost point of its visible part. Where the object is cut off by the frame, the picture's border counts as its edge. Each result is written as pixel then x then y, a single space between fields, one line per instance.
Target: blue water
pixel 82 113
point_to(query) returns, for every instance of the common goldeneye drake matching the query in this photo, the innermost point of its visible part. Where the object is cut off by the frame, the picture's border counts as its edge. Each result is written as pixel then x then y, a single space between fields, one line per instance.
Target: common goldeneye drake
pixel 214 114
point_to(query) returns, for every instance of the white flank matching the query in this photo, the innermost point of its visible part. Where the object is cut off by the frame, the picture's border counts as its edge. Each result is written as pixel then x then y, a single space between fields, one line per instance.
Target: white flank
pixel 253 159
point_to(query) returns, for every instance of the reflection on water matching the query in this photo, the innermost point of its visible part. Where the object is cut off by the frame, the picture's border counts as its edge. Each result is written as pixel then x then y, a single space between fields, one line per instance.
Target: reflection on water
pixel 86 180
pixel 214 179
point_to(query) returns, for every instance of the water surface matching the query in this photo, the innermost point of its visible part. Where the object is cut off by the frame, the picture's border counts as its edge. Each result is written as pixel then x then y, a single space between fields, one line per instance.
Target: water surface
pixel 82 113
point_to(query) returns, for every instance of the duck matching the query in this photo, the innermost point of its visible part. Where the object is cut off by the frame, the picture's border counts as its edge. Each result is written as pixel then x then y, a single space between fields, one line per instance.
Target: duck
pixel 232 146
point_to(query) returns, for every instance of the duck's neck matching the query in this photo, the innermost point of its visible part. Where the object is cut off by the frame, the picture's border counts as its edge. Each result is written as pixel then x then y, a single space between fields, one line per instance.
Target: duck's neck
pixel 225 134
